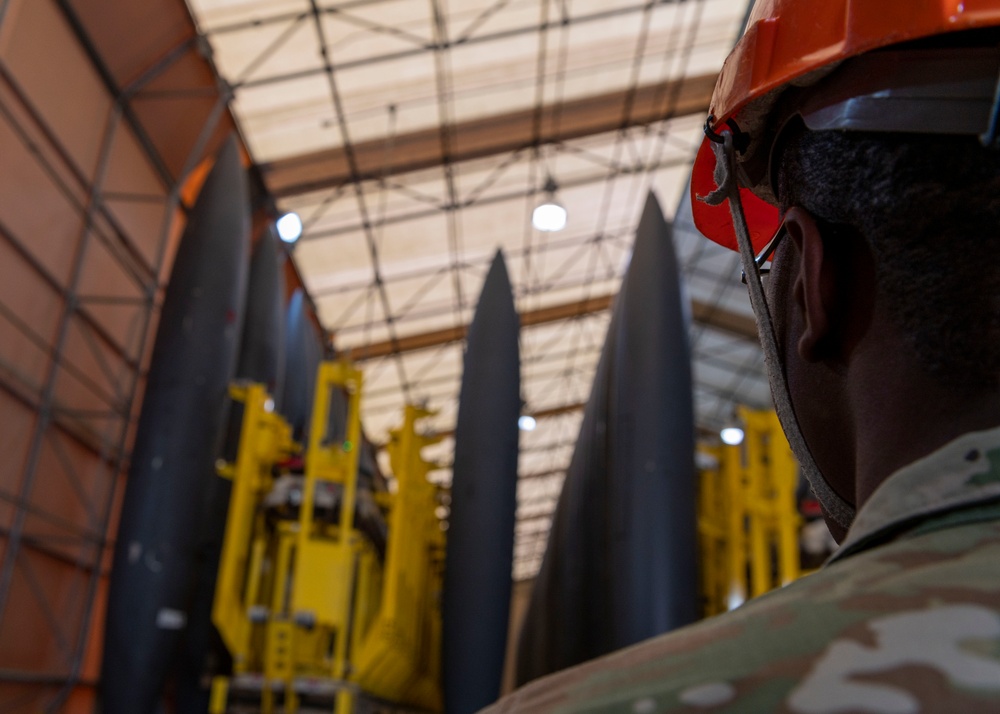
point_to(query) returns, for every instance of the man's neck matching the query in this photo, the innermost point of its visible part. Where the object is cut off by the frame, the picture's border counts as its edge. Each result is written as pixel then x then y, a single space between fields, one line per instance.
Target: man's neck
pixel 903 414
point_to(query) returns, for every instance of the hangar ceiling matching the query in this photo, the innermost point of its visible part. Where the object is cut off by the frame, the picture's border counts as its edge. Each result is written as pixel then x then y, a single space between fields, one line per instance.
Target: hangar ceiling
pixel 415 137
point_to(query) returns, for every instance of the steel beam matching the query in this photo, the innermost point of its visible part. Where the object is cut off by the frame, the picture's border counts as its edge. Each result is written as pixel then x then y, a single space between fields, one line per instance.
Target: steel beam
pixel 540 414
pixel 519 194
pixel 715 317
pixel 437 338
pixel 558 411
pixel 542 474
pixel 502 133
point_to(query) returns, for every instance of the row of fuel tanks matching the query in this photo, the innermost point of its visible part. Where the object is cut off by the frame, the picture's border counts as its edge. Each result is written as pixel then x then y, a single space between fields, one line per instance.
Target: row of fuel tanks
pixel 263 560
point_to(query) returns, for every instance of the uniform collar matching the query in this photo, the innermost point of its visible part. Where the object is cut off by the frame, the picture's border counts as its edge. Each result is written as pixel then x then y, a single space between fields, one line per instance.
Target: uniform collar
pixel 963 473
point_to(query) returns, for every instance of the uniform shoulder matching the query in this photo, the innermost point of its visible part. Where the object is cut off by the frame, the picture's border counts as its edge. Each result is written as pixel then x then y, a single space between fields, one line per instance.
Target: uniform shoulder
pixel 909 622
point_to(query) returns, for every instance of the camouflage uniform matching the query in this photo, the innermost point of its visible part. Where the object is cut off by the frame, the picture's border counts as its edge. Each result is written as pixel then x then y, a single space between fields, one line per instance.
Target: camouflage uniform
pixel 905 617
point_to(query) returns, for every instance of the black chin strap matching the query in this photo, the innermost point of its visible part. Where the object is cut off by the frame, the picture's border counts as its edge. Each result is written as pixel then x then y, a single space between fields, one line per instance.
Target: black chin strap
pixel 725 178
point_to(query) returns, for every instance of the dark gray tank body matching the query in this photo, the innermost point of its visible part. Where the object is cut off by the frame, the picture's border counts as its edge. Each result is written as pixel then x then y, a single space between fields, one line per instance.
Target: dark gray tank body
pixel 653 531
pixel 303 354
pixel 624 531
pixel 261 360
pixel 477 582
pixel 562 626
pixel 262 352
pixel 177 441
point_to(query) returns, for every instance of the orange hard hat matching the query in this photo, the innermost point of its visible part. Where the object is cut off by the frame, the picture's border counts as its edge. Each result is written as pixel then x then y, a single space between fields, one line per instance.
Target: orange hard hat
pixel 795 43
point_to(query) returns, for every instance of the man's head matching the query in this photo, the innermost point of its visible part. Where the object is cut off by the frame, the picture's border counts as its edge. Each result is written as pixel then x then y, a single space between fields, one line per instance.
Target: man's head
pixel 928 209
pixel 887 280
pixel 869 152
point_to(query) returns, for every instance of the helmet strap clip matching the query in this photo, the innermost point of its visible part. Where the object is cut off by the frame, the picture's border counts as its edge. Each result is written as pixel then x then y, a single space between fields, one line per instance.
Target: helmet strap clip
pixel 989 138
pixel 741 140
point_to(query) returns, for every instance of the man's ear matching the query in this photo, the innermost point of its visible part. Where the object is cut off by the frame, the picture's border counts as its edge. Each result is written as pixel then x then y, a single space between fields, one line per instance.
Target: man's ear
pixel 814 289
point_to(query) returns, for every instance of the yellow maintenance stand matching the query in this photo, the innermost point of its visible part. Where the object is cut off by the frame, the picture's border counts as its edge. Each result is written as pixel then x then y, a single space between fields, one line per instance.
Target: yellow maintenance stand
pixel 748 518
pixel 308 602
pixel 400 655
pixel 266 439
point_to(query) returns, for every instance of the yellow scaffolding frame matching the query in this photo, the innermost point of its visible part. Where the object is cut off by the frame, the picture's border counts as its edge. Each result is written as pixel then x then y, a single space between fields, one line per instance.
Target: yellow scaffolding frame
pixel 748 518
pixel 310 597
pixel 399 657
pixel 237 588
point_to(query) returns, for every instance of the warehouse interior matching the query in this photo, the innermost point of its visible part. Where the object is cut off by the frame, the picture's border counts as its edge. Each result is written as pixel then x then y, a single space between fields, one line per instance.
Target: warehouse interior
pixel 413 139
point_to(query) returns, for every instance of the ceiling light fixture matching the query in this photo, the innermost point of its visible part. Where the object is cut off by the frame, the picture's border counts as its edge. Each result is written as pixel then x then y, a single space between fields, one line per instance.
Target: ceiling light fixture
pixel 732 435
pixel 549 216
pixel 290 227
pixel 527 423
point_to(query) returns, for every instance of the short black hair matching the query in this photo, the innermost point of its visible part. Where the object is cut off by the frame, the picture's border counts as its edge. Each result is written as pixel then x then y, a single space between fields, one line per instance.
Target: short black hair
pixel 929 209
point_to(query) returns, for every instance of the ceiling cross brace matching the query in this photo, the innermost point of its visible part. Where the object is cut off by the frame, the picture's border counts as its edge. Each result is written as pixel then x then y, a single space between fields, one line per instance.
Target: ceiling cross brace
pixel 480 138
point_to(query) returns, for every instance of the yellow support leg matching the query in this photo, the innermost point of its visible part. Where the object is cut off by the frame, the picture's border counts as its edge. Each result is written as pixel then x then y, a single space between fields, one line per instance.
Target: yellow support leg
pixel 748 503
pixel 345 701
pixel 219 695
pixel 784 475
pixel 713 514
pixel 267 698
pixel 757 506
pixel 736 590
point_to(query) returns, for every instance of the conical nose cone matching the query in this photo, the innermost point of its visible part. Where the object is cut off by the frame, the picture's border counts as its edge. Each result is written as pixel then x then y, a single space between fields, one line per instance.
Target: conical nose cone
pixel 653 255
pixel 222 208
pixel 497 278
pixel 496 317
pixel 226 173
pixel 302 357
pixel 210 267
pixel 632 474
pixel 655 572
pixel 483 502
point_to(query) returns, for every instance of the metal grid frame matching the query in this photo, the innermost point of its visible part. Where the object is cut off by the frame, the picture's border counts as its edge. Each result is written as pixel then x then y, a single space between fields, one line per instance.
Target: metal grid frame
pixel 104 433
